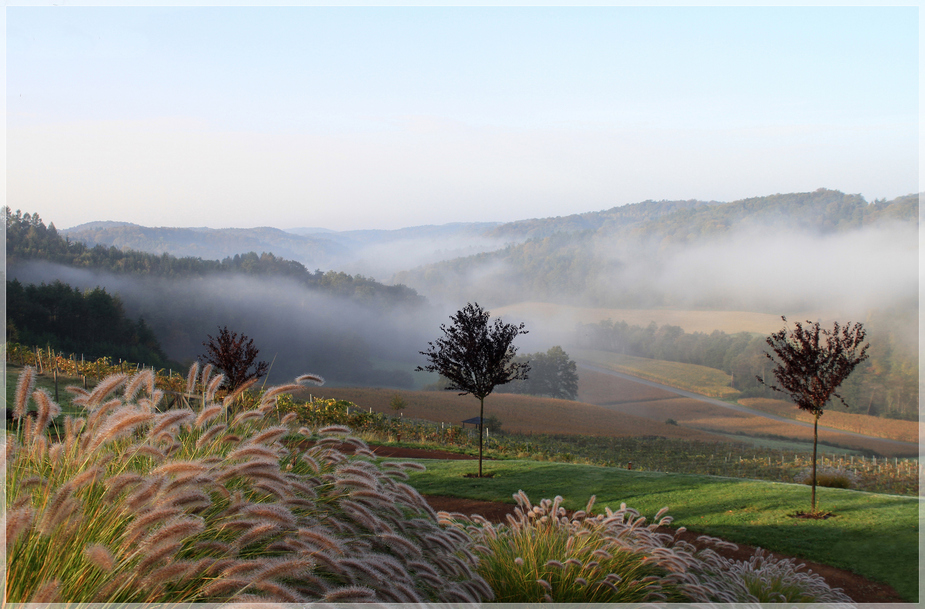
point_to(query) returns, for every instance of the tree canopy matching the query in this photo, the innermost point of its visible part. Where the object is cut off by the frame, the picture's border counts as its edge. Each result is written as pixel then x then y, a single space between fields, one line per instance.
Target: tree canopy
pixel 235 356
pixel 552 374
pixel 811 363
pixel 475 356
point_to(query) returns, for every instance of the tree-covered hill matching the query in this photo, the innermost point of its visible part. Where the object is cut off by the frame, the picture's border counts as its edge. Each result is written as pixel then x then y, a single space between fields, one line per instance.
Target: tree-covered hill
pixel 207 243
pixel 90 323
pixel 627 256
pixel 332 323
pixel 27 238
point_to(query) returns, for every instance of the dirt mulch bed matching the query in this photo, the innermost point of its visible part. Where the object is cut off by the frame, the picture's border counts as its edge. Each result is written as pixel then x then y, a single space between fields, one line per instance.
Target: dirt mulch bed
pixel 860 589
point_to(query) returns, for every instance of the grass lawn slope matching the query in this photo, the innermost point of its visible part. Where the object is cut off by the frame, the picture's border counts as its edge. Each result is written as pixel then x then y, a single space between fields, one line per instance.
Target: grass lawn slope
pixel 873 535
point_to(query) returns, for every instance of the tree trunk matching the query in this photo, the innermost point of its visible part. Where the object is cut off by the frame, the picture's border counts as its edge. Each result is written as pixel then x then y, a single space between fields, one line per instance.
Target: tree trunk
pixel 815 441
pixel 481 422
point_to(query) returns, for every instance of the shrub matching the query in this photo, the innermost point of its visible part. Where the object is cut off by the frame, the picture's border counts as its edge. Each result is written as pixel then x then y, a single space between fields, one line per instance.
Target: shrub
pixel 131 505
pixel 542 554
pixel 397 402
pixel 829 477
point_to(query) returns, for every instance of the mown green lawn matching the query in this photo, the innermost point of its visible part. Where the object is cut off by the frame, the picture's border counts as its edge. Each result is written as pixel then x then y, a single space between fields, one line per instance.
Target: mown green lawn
pixel 873 535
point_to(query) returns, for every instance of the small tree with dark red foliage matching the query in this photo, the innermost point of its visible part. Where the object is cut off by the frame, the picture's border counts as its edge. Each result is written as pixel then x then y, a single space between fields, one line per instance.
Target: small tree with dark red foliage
pixel 475 357
pixel 235 356
pixel 811 364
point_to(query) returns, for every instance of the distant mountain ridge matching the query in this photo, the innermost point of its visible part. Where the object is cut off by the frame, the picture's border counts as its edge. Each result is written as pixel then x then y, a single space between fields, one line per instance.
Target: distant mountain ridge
pixel 628 256
pixel 544 257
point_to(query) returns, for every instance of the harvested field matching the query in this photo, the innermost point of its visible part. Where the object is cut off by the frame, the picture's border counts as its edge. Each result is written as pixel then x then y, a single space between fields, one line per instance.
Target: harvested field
pixel 893 429
pixel 636 399
pixel 690 377
pixel 546 315
pixel 518 413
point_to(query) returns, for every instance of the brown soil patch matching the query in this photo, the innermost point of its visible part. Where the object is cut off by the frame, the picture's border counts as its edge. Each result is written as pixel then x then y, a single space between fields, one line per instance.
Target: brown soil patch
pixel 860 589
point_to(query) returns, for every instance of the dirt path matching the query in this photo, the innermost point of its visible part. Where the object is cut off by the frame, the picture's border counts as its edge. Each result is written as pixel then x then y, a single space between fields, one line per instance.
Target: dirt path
pixel 860 589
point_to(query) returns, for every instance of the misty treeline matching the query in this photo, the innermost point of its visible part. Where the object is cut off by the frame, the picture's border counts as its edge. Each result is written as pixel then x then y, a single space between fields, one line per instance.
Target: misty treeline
pixel 27 238
pixel 333 324
pixel 884 385
pixel 732 256
pixel 552 374
pixel 89 323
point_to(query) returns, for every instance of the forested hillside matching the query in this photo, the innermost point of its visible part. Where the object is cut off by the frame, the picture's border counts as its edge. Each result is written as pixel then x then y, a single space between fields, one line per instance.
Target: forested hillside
pixel 27 238
pixel 207 243
pixel 632 256
pixel 373 252
pixel 91 323
pixel 333 324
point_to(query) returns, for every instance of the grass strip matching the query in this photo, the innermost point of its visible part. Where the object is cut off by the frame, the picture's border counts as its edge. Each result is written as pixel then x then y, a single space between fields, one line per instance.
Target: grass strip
pixel 691 377
pixel 872 535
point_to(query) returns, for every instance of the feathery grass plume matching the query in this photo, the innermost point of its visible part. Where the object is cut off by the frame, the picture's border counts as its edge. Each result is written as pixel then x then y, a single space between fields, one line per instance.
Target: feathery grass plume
pixel 150 451
pixel 18 521
pixel 213 546
pixel 118 483
pixel 208 413
pixel 224 587
pixel 271 511
pixel 169 419
pixel 400 545
pixel 279 592
pixel 171 572
pixel 104 388
pixel 247 415
pixel 289 418
pixel 269 435
pixel 334 429
pixel 246 468
pixel 99 555
pixel 213 386
pixel 179 527
pixel 46 409
pixel 77 391
pixel 120 423
pixel 273 392
pixel 55 507
pixel 206 374
pixel 210 433
pixel 321 538
pixel 242 568
pixel 310 378
pixel 23 389
pixel 293 567
pixel 144 521
pixel 30 482
pixel 72 428
pixel 99 413
pixel 180 468
pixel 350 594
pixel 47 592
pixel 191 378
pixel 149 486
pixel 88 476
pixel 143 378
pixel 155 554
pixel 231 397
pixel 191 499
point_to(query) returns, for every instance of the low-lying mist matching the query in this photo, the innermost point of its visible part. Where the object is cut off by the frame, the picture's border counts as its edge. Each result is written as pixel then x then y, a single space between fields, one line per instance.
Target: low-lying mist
pixel 297 329
pixel 770 270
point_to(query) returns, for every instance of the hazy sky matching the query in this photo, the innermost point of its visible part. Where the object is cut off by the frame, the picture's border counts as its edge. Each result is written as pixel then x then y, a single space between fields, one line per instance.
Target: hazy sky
pixel 385 117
